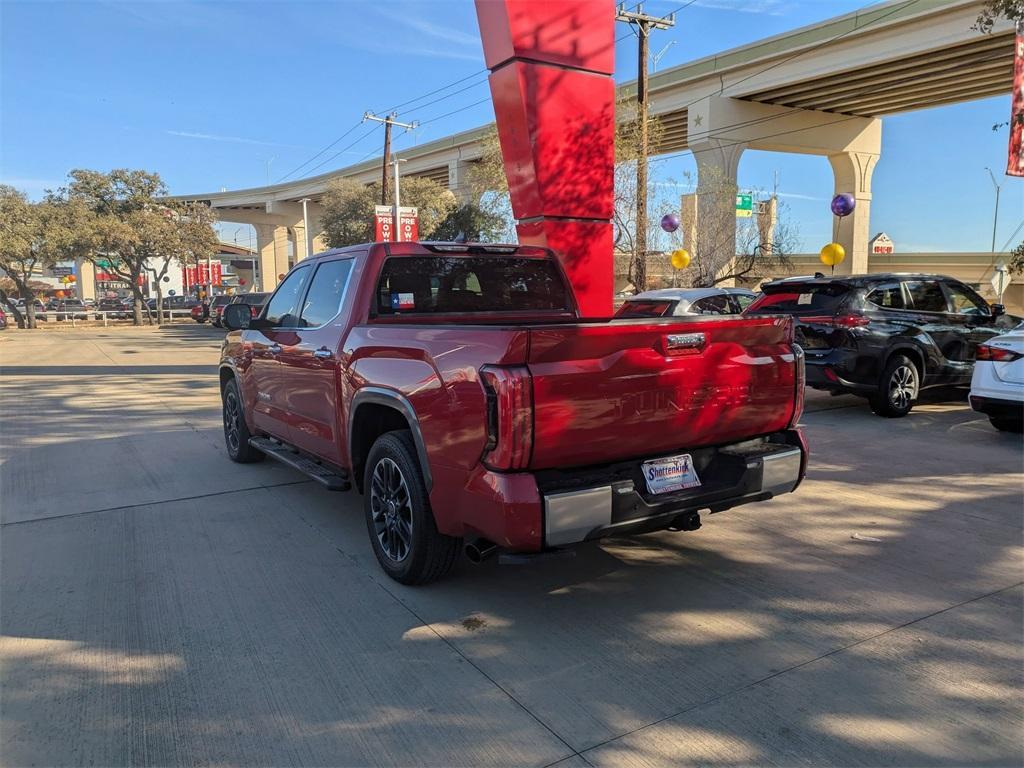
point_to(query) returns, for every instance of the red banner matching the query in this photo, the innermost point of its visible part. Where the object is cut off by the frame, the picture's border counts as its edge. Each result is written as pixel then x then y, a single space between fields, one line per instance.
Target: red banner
pixel 383 224
pixel 1015 151
pixel 201 274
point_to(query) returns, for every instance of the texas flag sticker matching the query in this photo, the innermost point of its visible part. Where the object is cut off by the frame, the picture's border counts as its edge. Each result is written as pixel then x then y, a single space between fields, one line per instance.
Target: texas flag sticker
pixel 403 301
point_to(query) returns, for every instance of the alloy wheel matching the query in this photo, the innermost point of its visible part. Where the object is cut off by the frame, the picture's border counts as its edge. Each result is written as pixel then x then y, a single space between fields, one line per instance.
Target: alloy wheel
pixel 391 509
pixel 231 417
pixel 902 386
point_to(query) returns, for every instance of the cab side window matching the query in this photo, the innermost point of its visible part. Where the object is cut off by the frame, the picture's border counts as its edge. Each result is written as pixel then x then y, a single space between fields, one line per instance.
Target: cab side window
pixel 323 300
pixel 283 309
pixel 742 301
pixel 927 295
pixel 965 301
pixel 889 296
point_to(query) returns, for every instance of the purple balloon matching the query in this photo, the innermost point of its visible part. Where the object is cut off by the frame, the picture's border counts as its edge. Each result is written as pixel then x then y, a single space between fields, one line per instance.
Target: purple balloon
pixel 843 204
pixel 670 222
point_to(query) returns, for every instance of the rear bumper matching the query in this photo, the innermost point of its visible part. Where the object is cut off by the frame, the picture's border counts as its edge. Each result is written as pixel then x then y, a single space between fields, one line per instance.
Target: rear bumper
pixel 998 407
pixel 528 512
pixel 834 371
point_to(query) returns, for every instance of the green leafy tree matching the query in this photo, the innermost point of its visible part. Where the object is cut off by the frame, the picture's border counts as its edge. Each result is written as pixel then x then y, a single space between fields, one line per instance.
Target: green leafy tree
pixel 475 222
pixel 348 208
pixel 34 236
pixel 135 231
pixel 1016 264
pixel 993 10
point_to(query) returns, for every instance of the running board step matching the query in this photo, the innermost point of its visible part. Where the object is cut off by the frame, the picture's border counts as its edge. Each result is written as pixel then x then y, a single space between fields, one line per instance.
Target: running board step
pixel 328 478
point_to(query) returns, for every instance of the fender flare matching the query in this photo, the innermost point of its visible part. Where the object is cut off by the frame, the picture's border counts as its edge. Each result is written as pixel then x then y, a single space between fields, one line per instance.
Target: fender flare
pixel 389 398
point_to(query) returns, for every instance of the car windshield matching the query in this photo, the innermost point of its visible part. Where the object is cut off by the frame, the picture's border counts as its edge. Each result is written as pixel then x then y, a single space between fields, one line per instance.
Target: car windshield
pixel 799 298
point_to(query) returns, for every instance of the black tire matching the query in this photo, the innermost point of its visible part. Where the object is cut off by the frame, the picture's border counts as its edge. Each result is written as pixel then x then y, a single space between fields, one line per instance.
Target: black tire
pixel 898 388
pixel 199 320
pixel 1007 425
pixel 399 519
pixel 236 431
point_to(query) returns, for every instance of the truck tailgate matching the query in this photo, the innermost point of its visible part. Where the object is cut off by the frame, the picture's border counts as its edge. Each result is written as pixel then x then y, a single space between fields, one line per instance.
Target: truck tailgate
pixel 629 389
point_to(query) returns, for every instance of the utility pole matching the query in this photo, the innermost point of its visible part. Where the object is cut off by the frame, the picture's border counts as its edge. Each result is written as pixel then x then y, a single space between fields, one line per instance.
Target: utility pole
pixel 642 25
pixel 388 121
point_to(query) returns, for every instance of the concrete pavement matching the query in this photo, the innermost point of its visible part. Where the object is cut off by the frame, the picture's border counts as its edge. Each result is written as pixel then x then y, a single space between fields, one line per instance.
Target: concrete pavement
pixel 162 605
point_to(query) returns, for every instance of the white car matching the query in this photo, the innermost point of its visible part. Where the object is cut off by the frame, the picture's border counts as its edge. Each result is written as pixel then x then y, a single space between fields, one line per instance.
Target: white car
pixel 997 386
pixel 687 301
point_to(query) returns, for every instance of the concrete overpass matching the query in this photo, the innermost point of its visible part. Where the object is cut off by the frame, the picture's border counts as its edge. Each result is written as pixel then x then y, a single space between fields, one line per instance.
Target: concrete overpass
pixel 821 89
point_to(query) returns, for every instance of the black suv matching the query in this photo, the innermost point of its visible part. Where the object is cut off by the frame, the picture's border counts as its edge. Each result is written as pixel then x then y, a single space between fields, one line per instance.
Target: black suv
pixel 885 336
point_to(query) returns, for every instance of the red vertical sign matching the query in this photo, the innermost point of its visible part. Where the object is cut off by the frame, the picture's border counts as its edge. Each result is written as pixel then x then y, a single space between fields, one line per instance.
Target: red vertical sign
pixel 1015 151
pixel 409 224
pixel 382 221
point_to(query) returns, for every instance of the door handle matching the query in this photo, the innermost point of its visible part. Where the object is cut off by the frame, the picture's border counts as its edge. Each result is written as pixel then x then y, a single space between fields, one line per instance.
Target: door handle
pixel 274 349
pixel 323 353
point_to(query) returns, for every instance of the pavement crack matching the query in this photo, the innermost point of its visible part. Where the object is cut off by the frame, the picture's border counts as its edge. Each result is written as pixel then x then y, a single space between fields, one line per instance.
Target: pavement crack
pixel 152 503
pixel 833 652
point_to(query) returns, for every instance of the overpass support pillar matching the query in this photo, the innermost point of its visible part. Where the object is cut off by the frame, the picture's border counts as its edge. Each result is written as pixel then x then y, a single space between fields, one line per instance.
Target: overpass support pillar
pixel 272 247
pixel 852 171
pixel 458 181
pixel 715 231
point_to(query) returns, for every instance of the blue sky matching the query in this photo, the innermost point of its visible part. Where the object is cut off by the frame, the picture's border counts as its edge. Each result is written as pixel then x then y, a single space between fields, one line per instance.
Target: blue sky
pixel 227 95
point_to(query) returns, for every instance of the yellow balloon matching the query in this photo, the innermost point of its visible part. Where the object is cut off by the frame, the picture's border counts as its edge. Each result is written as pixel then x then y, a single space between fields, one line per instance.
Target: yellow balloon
pixel 681 258
pixel 832 254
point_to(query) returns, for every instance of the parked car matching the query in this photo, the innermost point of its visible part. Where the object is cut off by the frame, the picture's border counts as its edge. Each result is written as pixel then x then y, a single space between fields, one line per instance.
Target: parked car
pixel 71 308
pixel 200 313
pixel 687 301
pixel 254 301
pixel 458 388
pixel 173 305
pixel 884 336
pixel 113 309
pixel 997 386
pixel 217 308
pixel 40 309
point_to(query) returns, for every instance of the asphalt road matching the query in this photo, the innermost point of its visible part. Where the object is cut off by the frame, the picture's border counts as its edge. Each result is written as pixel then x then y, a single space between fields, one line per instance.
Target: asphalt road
pixel 161 605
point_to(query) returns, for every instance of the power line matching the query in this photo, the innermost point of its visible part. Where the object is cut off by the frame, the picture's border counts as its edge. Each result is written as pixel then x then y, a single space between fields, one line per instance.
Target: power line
pixel 322 163
pixel 314 157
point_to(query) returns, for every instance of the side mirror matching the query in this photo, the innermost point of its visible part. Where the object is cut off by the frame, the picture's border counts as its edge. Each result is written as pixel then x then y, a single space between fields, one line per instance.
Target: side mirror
pixel 236 317
pixel 998 310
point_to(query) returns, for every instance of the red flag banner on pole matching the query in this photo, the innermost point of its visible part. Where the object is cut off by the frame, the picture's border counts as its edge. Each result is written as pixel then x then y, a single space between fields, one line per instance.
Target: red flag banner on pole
pixel 1015 152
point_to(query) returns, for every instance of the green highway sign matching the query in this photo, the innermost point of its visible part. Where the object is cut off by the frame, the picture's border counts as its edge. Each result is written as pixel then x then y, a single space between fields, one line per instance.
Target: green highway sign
pixel 744 206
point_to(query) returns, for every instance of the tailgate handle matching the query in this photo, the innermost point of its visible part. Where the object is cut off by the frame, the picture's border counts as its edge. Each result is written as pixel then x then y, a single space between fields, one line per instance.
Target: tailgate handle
pixel 684 343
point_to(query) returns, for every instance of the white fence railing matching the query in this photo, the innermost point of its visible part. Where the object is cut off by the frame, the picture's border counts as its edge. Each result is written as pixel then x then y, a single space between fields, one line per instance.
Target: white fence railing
pixel 85 315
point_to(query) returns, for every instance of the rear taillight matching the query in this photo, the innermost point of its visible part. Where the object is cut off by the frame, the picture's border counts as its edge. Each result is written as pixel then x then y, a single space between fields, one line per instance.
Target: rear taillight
pixel 254 310
pixel 839 321
pixel 509 417
pixel 801 385
pixel 997 354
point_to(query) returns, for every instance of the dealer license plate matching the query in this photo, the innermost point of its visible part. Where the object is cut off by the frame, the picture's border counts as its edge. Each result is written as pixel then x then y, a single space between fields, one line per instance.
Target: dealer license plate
pixel 673 473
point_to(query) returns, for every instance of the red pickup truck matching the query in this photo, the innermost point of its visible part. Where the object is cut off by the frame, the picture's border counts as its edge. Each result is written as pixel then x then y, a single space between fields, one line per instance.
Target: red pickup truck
pixel 458 388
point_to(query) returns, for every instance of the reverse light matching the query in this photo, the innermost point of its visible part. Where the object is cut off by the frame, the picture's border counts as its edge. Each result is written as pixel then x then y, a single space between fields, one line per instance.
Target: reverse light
pixel 509 416
pixel 997 354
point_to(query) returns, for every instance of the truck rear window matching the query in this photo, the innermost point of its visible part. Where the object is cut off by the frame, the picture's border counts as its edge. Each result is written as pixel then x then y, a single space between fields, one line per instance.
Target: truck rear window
pixel 796 298
pixel 453 284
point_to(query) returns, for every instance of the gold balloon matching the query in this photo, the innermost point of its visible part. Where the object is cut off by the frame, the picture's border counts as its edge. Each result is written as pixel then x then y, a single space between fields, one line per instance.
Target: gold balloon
pixel 681 258
pixel 832 254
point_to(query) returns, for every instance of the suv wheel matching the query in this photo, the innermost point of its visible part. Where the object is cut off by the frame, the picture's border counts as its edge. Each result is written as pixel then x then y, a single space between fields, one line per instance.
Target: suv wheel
pixel 898 388
pixel 236 432
pixel 399 520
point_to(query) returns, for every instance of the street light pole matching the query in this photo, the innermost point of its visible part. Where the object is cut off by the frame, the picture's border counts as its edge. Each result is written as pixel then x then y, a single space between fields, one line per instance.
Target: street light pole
pixel 995 215
pixel 396 223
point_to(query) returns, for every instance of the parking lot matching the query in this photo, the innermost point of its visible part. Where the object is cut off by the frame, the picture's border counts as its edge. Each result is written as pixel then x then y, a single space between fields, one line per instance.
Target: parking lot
pixel 162 605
